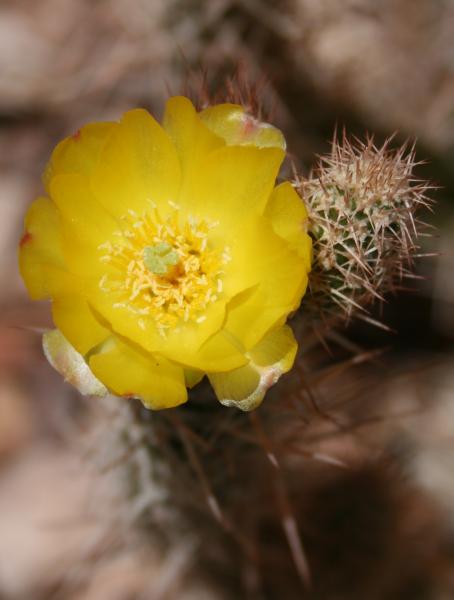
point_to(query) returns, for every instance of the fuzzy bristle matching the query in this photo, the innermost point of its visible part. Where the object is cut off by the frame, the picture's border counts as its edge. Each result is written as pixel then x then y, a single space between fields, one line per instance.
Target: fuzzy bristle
pixel 362 201
pixel 242 87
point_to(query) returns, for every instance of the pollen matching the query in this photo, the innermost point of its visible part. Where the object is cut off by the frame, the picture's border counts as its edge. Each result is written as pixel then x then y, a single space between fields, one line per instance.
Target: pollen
pixel 165 269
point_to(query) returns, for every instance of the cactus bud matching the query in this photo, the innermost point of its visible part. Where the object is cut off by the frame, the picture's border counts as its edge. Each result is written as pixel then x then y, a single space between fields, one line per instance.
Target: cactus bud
pixel 361 202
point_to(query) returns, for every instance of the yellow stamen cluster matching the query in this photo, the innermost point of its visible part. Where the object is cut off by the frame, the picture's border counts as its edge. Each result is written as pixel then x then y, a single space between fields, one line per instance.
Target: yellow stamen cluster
pixel 181 292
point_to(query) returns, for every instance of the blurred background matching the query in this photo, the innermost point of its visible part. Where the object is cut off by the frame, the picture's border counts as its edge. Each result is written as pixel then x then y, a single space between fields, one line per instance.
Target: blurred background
pixel 382 530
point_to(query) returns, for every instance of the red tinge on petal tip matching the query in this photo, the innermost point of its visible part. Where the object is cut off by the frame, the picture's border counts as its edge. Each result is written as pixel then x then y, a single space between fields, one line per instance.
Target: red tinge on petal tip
pixel 250 126
pixel 27 237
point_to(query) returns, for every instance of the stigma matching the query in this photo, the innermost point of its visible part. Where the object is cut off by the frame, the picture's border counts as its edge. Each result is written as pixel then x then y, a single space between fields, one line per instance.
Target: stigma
pixel 160 259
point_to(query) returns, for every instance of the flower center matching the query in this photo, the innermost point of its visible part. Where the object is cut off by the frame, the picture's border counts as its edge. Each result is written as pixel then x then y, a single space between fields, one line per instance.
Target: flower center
pixel 160 259
pixel 163 268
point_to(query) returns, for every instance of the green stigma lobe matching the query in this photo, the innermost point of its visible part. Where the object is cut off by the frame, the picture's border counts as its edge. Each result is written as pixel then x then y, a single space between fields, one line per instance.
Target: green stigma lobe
pixel 159 259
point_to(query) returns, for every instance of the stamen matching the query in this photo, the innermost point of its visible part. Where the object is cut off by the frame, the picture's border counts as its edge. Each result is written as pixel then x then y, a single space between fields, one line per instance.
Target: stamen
pixel 162 270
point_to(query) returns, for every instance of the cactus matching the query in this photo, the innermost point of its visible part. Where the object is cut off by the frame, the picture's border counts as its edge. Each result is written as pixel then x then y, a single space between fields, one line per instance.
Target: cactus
pixel 219 482
pixel 206 482
pixel 362 201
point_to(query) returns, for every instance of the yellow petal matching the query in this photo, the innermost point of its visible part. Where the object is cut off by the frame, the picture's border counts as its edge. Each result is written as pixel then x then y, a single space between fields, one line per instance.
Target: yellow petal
pixel 80 210
pixel 80 152
pixel 191 137
pixel 240 387
pixel 262 259
pixel 233 183
pixel 193 345
pixel 40 254
pixel 277 350
pixel 69 363
pixel 246 387
pixel 192 377
pixel 221 352
pixel 184 344
pixel 85 224
pixel 73 317
pixel 138 167
pixel 288 216
pixel 128 372
pixel 111 307
pixel 236 127
pixel 249 321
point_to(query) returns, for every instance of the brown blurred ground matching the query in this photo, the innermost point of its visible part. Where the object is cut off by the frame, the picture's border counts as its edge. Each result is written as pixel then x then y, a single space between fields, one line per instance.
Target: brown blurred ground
pixel 377 67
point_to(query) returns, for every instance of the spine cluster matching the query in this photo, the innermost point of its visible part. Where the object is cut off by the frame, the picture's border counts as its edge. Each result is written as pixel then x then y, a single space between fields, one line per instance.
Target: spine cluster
pixel 362 202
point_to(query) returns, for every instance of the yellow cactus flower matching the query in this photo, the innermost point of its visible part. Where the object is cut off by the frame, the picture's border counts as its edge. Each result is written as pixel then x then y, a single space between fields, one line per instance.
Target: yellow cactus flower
pixel 169 254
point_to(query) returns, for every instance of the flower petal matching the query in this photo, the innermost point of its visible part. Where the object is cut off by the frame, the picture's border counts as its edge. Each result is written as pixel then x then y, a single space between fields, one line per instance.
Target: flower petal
pixel 192 377
pixel 250 320
pixel 239 387
pixel 191 137
pixel 73 317
pixel 183 343
pixel 246 387
pixel 69 363
pixel 85 224
pixel 138 167
pixel 190 344
pixel 40 254
pixel 277 350
pixel 262 259
pixel 238 128
pixel 288 215
pixel 80 152
pixel 221 352
pixel 232 184
pixel 129 372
